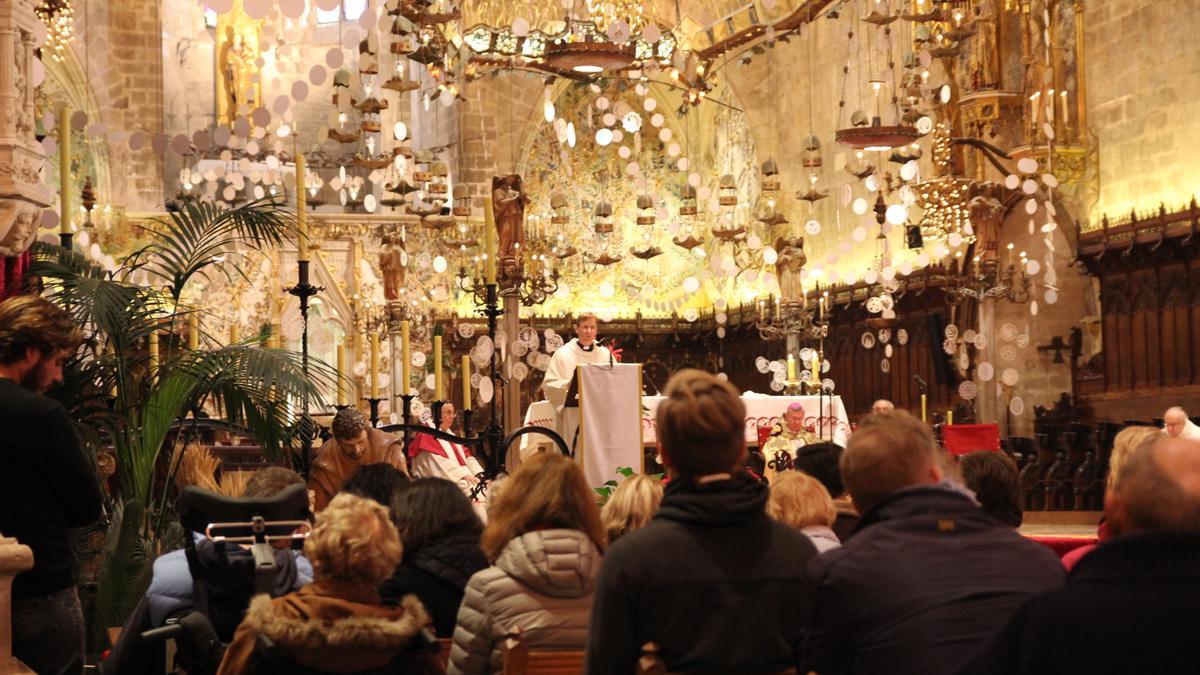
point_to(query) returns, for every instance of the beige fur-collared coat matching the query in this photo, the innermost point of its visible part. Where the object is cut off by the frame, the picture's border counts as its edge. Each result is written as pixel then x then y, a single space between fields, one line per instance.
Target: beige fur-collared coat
pixel 327 625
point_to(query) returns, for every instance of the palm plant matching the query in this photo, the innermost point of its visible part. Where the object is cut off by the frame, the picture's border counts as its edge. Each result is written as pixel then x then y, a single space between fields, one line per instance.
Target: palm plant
pixel 123 402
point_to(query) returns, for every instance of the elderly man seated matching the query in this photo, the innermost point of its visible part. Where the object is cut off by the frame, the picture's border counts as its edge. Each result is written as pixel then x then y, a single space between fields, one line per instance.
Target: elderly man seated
pixel 882 407
pixel 336 623
pixel 788 436
pixel 1176 424
pixel 354 444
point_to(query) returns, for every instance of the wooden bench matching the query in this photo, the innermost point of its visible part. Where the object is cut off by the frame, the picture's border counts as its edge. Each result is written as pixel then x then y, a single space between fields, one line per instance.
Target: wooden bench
pixel 519 659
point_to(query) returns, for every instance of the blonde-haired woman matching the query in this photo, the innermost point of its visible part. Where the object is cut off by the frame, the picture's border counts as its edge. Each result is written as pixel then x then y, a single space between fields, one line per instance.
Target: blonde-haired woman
pixel 1125 443
pixel 631 506
pixel 544 539
pixel 336 623
pixel 801 501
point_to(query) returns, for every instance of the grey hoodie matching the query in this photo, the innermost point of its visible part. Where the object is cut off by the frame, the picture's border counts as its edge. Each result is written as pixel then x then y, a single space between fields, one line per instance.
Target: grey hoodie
pixel 540 585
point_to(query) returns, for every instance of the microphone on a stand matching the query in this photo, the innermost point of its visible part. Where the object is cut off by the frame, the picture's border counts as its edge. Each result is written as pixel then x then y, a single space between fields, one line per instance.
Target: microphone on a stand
pixel 921 384
pixel 600 343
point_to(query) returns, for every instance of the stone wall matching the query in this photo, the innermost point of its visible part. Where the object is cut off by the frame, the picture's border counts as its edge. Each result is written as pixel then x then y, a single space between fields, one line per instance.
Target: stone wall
pixel 493 123
pixel 1042 381
pixel 1143 84
pixel 120 46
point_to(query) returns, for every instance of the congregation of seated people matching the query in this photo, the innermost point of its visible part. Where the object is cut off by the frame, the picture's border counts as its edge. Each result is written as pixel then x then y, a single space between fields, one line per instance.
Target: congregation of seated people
pixel 882 557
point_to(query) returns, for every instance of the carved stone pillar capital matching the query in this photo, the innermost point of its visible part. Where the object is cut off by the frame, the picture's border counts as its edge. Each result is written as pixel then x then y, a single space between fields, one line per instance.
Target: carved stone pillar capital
pixel 14 559
pixel 22 195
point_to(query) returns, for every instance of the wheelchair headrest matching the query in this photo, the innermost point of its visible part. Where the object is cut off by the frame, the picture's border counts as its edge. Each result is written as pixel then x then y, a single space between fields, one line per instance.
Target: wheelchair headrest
pixel 198 508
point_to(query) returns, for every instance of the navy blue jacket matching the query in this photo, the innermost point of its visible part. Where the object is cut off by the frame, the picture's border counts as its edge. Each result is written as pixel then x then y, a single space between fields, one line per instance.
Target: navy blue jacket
pixel 926 580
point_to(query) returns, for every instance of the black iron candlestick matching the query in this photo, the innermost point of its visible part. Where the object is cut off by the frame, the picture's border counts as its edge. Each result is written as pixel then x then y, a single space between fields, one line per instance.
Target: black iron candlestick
pixel 495 429
pixel 466 427
pixel 304 290
pixel 374 403
pixel 406 411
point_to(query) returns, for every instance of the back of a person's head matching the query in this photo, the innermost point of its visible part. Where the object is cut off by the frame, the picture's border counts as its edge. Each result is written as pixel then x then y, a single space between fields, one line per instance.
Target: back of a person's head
pixel 1158 489
pixel 1123 444
pixel 428 509
pixel 701 424
pixel 631 506
pixel 270 481
pixel 996 482
pixel 355 541
pixel 820 460
pixel 799 500
pixel 32 321
pixel 886 454
pixel 547 491
pixel 379 482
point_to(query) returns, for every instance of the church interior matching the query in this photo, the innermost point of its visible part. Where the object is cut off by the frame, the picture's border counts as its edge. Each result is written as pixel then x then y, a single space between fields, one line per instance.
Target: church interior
pixel 268 210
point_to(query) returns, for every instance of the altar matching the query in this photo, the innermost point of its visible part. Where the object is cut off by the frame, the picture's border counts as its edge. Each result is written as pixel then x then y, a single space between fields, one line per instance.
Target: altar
pixel 824 415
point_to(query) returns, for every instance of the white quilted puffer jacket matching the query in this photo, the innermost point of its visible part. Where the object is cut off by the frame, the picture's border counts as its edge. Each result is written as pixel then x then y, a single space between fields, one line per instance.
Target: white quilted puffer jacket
pixel 541 584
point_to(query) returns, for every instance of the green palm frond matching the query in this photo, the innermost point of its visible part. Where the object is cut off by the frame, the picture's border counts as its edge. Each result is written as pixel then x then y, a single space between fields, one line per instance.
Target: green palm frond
pixel 196 237
pixel 119 403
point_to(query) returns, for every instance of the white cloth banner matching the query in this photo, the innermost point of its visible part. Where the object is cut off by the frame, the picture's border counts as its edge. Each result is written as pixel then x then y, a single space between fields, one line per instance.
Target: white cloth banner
pixel 610 408
pixel 822 415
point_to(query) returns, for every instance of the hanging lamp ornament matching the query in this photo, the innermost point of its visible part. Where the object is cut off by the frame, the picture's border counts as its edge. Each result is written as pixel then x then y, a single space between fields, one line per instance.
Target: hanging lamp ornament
pixel 558 203
pixel 727 189
pixel 602 221
pixel 877 137
pixel 462 201
pixel 770 176
pixel 645 205
pixel 687 201
pixel 812 162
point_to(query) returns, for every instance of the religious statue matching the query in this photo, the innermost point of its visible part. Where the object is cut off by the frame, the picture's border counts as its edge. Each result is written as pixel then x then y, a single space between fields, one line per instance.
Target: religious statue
pixel 17 227
pixel 986 214
pixel 984 72
pixel 508 203
pixel 788 267
pixel 238 92
pixel 391 265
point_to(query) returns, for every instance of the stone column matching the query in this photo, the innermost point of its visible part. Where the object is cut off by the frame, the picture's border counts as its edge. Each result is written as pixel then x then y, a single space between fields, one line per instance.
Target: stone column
pixel 14 559
pixel 22 195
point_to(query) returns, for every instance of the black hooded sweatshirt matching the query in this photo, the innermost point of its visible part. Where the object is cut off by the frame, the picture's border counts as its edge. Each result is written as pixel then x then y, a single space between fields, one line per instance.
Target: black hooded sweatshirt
pixel 713 581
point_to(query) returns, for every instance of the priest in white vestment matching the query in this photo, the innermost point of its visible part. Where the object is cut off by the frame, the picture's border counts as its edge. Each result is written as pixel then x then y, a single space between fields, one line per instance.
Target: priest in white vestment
pixel 438 458
pixel 582 349
pixel 1177 424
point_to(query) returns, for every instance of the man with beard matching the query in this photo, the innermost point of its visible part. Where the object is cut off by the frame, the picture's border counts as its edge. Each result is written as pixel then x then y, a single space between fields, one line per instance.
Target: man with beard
pixel 355 444
pixel 47 484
